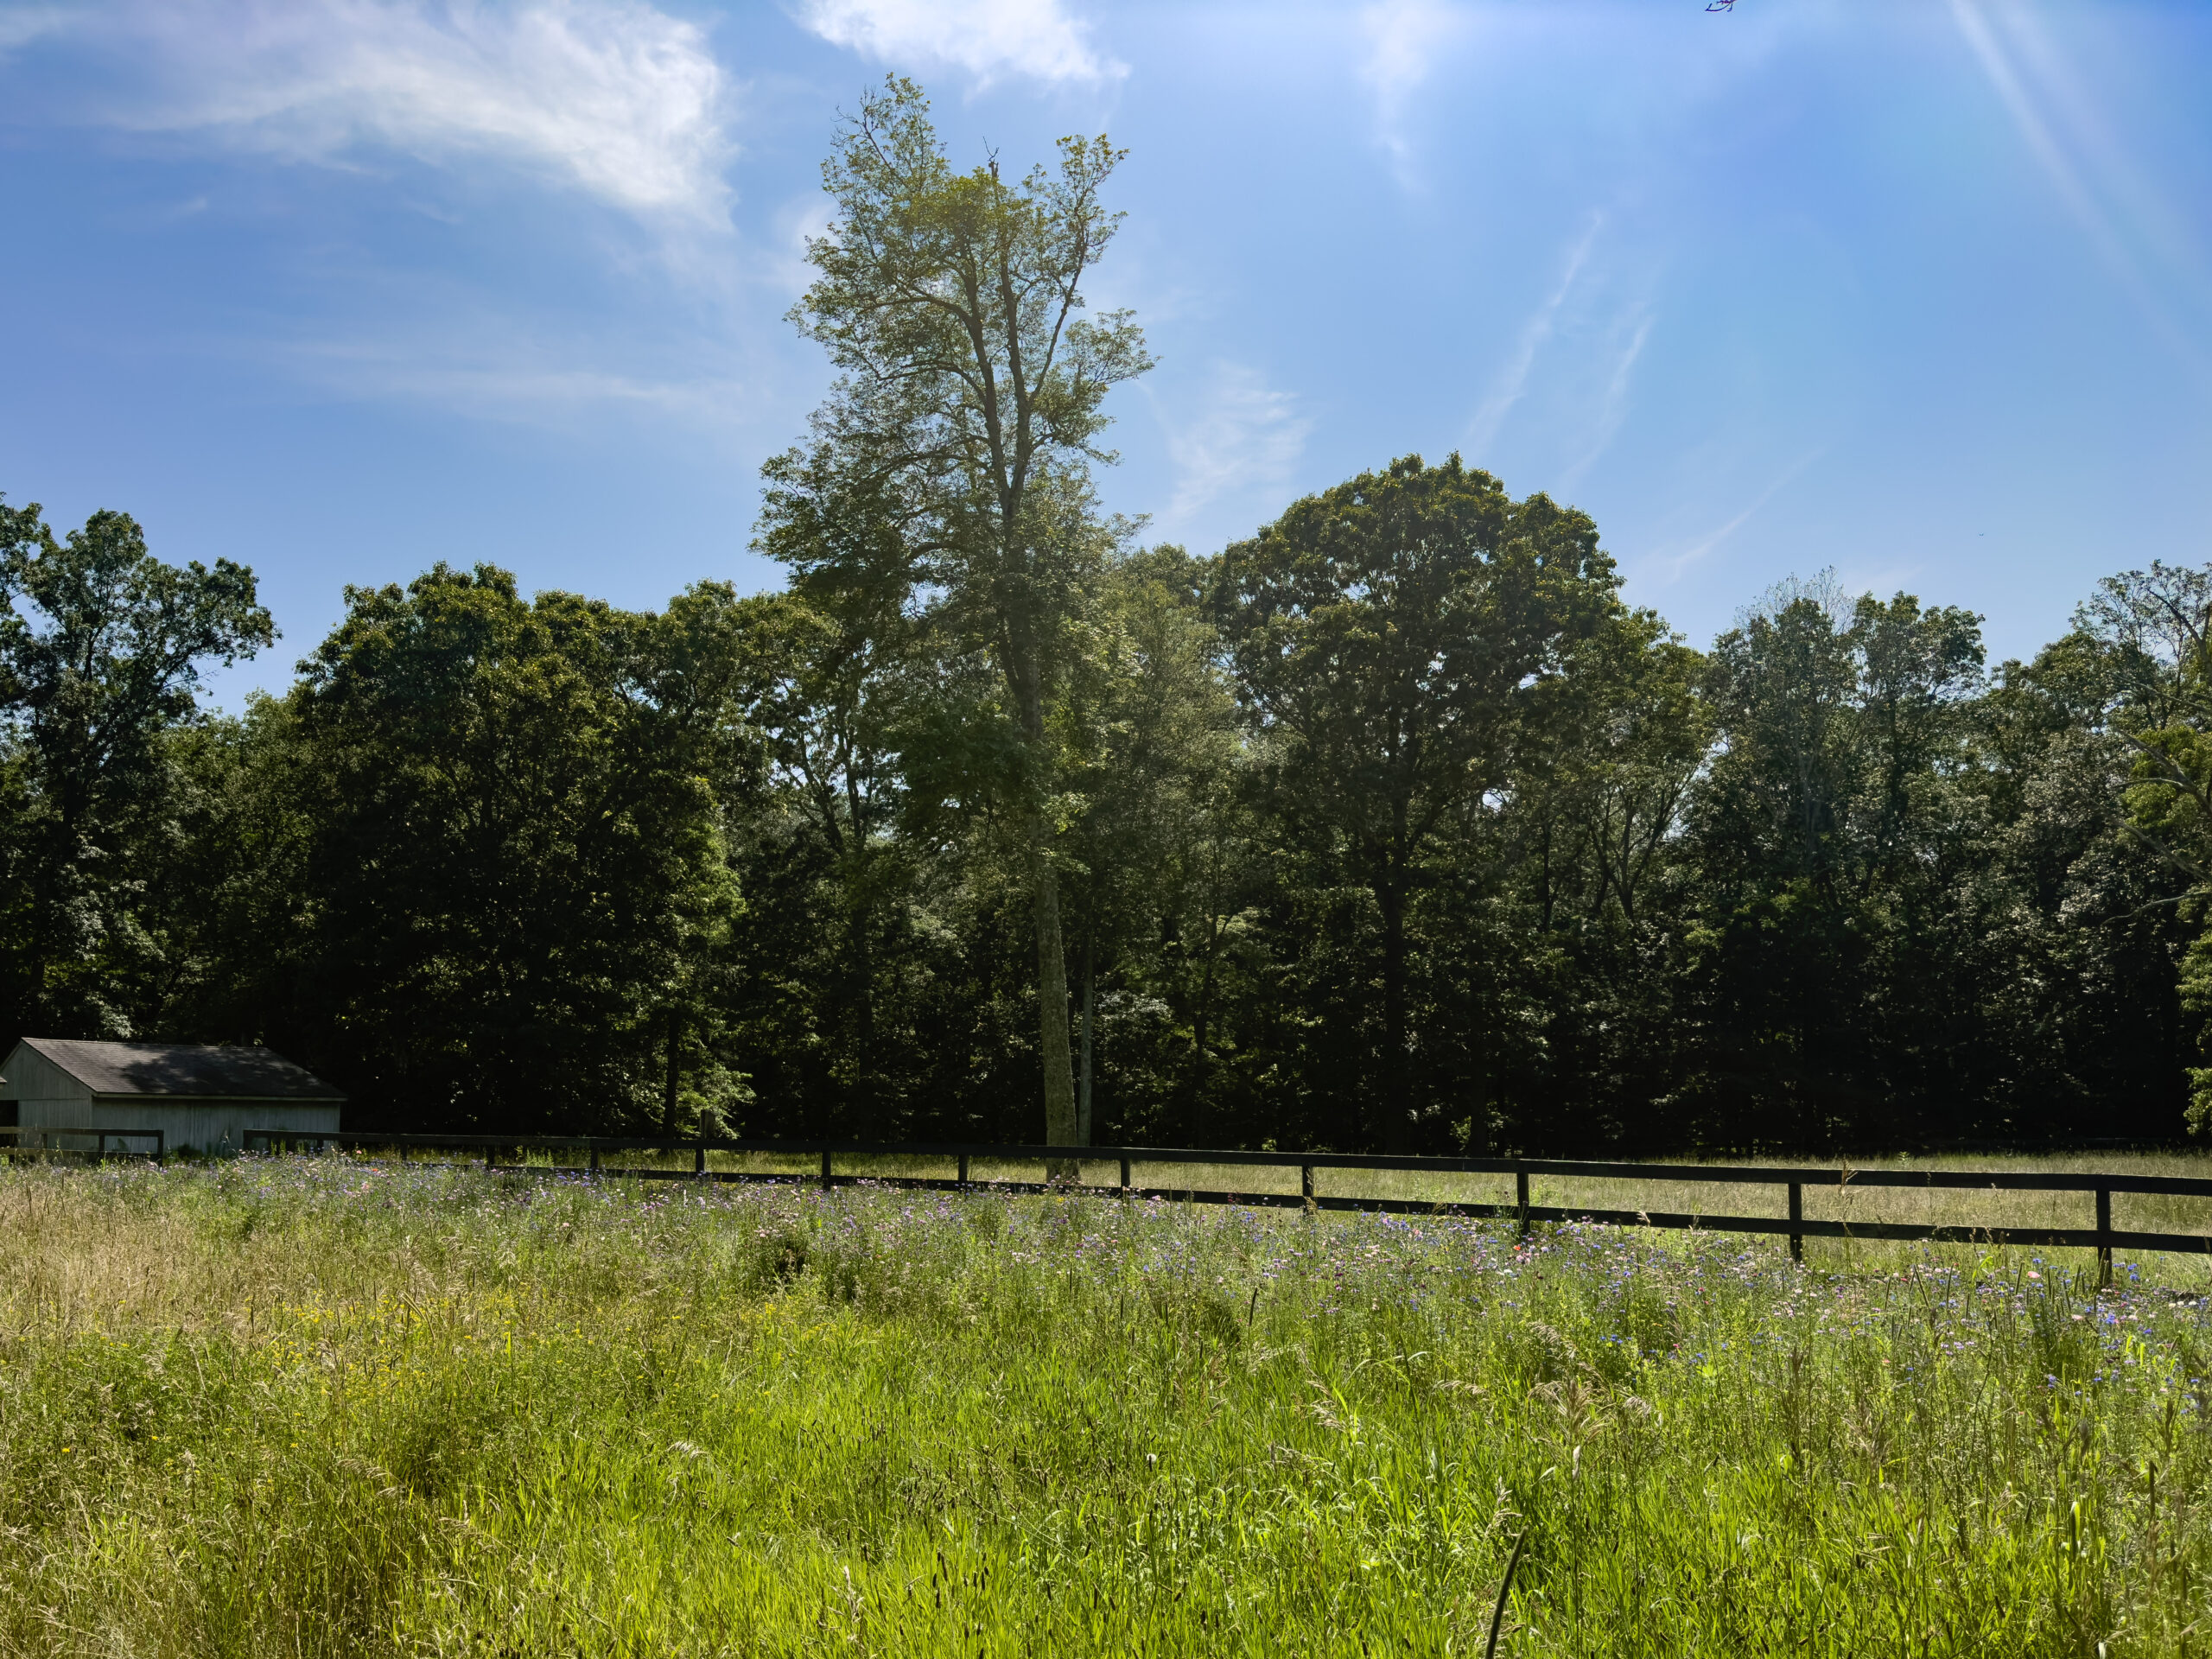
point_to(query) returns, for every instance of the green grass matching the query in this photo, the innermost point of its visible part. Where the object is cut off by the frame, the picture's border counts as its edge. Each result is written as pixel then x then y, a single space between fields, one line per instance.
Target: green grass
pixel 1829 1194
pixel 307 1407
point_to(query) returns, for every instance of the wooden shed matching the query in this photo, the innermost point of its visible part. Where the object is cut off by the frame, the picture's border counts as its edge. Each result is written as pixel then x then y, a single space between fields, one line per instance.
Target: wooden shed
pixel 200 1096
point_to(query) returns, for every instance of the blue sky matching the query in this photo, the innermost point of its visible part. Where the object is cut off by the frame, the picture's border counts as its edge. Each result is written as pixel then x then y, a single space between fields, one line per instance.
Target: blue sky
pixel 340 288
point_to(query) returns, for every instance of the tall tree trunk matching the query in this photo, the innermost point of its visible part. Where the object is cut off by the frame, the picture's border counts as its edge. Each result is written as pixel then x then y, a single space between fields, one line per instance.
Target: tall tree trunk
pixel 1478 1119
pixel 1201 1054
pixel 675 1070
pixel 1082 1078
pixel 1051 1004
pixel 1202 1017
pixel 1024 678
pixel 870 1111
pixel 1397 1130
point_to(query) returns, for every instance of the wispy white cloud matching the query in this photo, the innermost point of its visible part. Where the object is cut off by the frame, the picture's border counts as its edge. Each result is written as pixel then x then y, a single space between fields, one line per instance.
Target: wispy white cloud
pixel 505 376
pixel 1405 38
pixel 991 40
pixel 1614 403
pixel 611 97
pixel 1670 568
pixel 1242 436
pixel 1512 381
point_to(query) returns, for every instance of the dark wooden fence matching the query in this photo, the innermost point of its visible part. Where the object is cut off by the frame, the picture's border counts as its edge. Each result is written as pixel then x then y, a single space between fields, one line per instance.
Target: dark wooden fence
pixel 854 1156
pixel 49 1138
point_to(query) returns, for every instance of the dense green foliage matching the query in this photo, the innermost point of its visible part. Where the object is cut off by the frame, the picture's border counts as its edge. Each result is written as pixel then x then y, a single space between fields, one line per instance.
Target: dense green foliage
pixel 319 1409
pixel 89 700
pixel 1432 846
pixel 1390 826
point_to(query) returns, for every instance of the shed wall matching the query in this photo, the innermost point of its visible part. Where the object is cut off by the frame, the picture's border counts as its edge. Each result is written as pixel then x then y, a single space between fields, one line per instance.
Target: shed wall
pixel 205 1126
pixel 36 1085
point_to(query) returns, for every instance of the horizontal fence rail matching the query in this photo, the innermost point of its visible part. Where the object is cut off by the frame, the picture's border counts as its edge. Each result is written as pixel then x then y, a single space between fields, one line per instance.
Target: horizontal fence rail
pixel 2102 1237
pixel 49 1135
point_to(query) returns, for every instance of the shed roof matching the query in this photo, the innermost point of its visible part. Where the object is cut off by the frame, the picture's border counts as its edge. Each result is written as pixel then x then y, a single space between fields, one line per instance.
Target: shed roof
pixel 182 1069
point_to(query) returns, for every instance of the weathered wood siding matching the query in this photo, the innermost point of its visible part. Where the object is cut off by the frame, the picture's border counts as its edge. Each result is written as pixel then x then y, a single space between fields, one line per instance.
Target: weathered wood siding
pixel 202 1125
pixel 35 1083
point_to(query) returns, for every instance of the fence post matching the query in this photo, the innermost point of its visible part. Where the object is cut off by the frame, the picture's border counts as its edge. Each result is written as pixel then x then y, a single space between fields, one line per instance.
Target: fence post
pixel 1796 1215
pixel 1125 1177
pixel 2104 1238
pixel 963 1169
pixel 825 1169
pixel 699 1159
pixel 1306 1185
pixel 1521 1195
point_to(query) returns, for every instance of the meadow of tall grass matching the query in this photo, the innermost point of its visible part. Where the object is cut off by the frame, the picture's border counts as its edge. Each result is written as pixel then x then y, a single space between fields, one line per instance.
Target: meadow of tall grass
pixel 315 1406
pixel 1832 1192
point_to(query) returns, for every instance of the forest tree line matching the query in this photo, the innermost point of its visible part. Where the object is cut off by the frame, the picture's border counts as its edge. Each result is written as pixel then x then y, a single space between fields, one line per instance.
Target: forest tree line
pixel 1390 826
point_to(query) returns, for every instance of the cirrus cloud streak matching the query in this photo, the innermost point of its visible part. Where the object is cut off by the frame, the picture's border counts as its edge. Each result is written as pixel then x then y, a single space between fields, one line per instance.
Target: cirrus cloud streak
pixel 614 97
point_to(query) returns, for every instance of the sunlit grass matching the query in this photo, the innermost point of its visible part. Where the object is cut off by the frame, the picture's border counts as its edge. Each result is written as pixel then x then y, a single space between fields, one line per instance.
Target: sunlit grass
pixel 1830 1193
pixel 308 1406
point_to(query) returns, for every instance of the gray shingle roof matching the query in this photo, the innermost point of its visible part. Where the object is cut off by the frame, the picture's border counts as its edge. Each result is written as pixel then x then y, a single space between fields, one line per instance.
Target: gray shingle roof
pixel 183 1069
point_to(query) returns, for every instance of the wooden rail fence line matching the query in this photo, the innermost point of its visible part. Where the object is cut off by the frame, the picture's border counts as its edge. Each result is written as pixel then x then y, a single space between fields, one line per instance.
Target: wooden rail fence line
pixel 2102 1237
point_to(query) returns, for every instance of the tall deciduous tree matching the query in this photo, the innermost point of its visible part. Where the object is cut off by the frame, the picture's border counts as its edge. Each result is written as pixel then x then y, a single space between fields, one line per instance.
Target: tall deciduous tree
pixel 1828 829
pixel 1147 726
pixel 834 692
pixel 1836 713
pixel 518 861
pixel 1397 633
pixel 106 663
pixel 951 459
pixel 2154 631
pixel 1599 803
